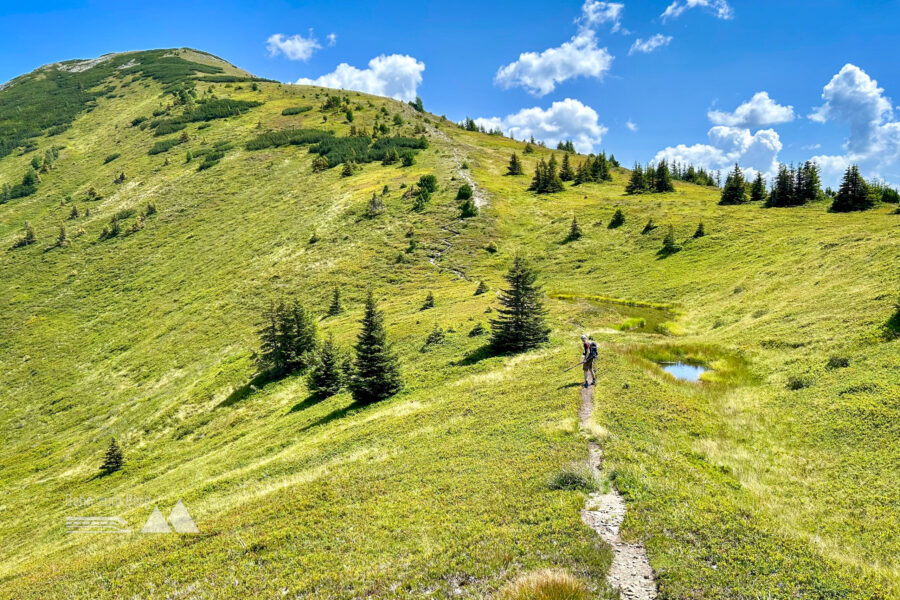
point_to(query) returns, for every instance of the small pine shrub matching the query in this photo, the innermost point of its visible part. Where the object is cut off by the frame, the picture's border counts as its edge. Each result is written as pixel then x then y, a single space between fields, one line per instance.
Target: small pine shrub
pixel 838 362
pixel 467 210
pixel 576 476
pixel 114 458
pixel 670 246
pixel 435 338
pixel 700 231
pixel 618 219
pixel 464 192
pixel 481 289
pixel 429 301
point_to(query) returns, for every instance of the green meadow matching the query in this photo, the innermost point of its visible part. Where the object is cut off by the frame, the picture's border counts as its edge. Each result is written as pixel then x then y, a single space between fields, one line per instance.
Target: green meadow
pixel 775 477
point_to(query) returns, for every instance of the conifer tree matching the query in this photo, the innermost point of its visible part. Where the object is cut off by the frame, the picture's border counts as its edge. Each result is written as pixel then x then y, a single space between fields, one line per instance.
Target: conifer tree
pixel 515 165
pixel 539 181
pixel 700 231
pixel 62 241
pixel 553 182
pixel 302 337
pixel 429 301
pixel 670 246
pixel 583 172
pixel 617 220
pixel 612 161
pixel 734 192
pixel 782 189
pixel 565 171
pixel 326 376
pixel 600 168
pixel 73 214
pixel 520 325
pixel 574 231
pixel 808 185
pixel 481 289
pixel 758 189
pixel 114 459
pixel 375 373
pixel 335 307
pixel 663 180
pixel 636 182
pixel 375 206
pixel 853 194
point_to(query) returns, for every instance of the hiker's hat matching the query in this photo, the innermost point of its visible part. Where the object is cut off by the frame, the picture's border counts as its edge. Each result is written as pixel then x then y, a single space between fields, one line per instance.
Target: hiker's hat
pixel 583 336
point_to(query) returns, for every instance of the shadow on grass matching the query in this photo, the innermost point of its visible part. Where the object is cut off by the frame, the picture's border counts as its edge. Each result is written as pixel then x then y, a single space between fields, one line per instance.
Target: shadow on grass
pixel 242 392
pixel 307 402
pixel 476 356
pixel 574 384
pixel 892 327
pixel 663 253
pixel 338 413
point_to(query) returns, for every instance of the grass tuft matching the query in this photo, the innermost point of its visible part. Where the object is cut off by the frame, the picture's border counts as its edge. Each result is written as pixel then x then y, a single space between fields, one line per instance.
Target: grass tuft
pixel 547 584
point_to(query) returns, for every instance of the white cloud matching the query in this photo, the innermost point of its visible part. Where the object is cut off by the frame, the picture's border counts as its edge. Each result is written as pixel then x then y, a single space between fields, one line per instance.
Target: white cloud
pixel 565 120
pixel 395 76
pixel 594 13
pixel 650 44
pixel 331 38
pixel 721 8
pixel 874 140
pixel 540 72
pixel 759 111
pixel 755 152
pixel 295 47
pixel 631 125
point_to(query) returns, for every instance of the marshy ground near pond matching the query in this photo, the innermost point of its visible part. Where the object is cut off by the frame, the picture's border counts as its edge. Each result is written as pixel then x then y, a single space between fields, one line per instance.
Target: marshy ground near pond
pixel 773 476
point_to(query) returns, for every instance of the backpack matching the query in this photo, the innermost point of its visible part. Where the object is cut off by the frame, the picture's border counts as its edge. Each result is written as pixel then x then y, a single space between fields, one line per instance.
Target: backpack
pixel 592 351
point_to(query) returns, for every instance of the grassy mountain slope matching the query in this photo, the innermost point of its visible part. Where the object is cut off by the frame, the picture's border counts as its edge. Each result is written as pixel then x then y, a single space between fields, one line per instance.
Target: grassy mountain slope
pixel 739 487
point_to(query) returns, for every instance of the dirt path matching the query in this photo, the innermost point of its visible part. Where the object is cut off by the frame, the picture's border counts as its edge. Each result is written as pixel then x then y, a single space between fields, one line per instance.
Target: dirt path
pixel 477 197
pixel 630 571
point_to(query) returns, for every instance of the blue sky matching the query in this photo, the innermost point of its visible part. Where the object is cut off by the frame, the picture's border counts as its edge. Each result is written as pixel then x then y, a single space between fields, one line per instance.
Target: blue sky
pixel 644 80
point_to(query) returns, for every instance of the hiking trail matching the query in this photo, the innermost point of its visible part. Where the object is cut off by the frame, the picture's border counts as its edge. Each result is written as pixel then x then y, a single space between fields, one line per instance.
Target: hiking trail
pixel 630 571
pixel 477 197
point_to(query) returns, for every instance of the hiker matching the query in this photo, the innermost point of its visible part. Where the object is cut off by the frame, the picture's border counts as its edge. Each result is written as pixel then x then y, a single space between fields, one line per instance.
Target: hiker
pixel 588 353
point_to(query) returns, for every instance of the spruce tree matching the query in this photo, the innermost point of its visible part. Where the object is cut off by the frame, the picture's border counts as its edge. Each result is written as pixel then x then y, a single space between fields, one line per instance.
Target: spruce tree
pixel 73 214
pixel 734 192
pixel 520 325
pixel 515 165
pixel 302 337
pixel 574 231
pixel 62 241
pixel 636 182
pixel 335 307
pixel 782 189
pixel 326 375
pixel 758 189
pixel 553 183
pixel 618 219
pixel 375 372
pixel 700 231
pixel 429 301
pixel 663 182
pixel 670 246
pixel 853 193
pixel 583 172
pixel 538 182
pixel 565 171
pixel 113 460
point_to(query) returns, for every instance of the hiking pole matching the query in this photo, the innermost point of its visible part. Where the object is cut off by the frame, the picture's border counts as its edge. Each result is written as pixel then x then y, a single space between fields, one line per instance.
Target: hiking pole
pixel 580 362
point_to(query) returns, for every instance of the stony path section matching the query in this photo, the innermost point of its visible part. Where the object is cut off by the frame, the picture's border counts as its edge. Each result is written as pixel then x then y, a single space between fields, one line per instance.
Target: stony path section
pixel 630 571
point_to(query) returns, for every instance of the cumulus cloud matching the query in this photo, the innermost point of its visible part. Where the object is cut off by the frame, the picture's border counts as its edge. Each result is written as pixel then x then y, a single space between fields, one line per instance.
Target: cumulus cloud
pixel 540 72
pixel 759 111
pixel 720 8
pixel 853 97
pixel 650 44
pixel 565 120
pixel 631 125
pixel 295 47
pixel 756 152
pixel 331 38
pixel 595 13
pixel 396 76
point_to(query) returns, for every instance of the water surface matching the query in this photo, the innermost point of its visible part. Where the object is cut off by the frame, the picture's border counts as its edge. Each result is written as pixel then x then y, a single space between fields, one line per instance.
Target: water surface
pixel 684 371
